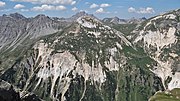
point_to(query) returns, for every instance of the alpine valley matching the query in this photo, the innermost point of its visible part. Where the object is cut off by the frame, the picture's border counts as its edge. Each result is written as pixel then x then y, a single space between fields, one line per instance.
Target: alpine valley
pixel 83 58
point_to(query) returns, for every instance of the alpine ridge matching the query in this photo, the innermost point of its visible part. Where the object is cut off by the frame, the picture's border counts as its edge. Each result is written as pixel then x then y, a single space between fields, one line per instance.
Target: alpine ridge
pixel 84 58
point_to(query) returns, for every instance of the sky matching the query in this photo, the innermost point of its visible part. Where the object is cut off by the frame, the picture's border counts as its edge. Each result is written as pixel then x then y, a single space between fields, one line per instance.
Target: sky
pixel 100 8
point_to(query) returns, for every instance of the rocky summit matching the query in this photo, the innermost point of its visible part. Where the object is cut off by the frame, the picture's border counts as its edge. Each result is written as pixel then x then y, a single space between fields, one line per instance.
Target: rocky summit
pixel 83 58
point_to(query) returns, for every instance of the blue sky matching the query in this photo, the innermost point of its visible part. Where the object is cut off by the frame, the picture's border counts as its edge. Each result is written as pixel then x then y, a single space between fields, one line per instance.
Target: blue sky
pixel 100 8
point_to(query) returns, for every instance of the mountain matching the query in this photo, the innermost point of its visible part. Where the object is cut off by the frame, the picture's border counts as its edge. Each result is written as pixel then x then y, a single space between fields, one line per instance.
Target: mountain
pixel 159 36
pixel 116 20
pixel 8 93
pixel 15 29
pixel 86 59
pixel 136 20
pixel 78 15
pixel 17 16
pixel 172 95
pixel 124 25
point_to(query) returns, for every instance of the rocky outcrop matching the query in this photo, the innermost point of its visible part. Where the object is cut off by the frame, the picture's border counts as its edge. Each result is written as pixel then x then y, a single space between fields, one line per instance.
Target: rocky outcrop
pixel 86 58
pixel 91 61
pixel 116 20
pixel 159 36
pixel 7 92
pixel 15 29
pixel 25 96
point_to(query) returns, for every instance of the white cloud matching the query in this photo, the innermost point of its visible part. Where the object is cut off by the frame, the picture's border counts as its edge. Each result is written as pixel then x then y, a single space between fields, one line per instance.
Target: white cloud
pixel 105 5
pixel 48 7
pixel 94 5
pixel 100 10
pixel 71 2
pixel 43 8
pixel 2 4
pixel 131 10
pixel 18 6
pixel 60 7
pixel 147 10
pixel 74 9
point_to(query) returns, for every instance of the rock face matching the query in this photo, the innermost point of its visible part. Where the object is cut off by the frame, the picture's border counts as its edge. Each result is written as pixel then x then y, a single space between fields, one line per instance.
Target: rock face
pixel 85 58
pixel 7 93
pixel 91 61
pixel 16 28
pixel 78 15
pixel 159 36
pixel 30 97
pixel 116 20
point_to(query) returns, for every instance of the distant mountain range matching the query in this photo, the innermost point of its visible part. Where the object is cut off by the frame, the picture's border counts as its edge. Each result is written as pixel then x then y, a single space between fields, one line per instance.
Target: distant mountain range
pixel 116 20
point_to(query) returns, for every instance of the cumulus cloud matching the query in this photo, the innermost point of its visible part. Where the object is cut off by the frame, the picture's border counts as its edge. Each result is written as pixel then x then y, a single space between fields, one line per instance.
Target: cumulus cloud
pixel 100 10
pixel 48 7
pixel 71 2
pixel 60 7
pixel 105 5
pixel 2 4
pixel 131 10
pixel 94 5
pixel 18 6
pixel 147 10
pixel 74 9
pixel 43 8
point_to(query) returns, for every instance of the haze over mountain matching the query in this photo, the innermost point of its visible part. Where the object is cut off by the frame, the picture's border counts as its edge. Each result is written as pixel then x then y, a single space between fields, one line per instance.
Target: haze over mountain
pixel 85 58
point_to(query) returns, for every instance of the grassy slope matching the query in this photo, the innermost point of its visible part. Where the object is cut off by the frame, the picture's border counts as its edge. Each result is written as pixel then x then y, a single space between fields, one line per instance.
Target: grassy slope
pixel 173 95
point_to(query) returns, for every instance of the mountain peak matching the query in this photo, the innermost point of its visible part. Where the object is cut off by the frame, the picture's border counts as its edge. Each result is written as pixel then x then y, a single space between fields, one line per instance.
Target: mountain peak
pixel 115 17
pixel 41 16
pixel 80 14
pixel 144 18
pixel 88 21
pixel 17 16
